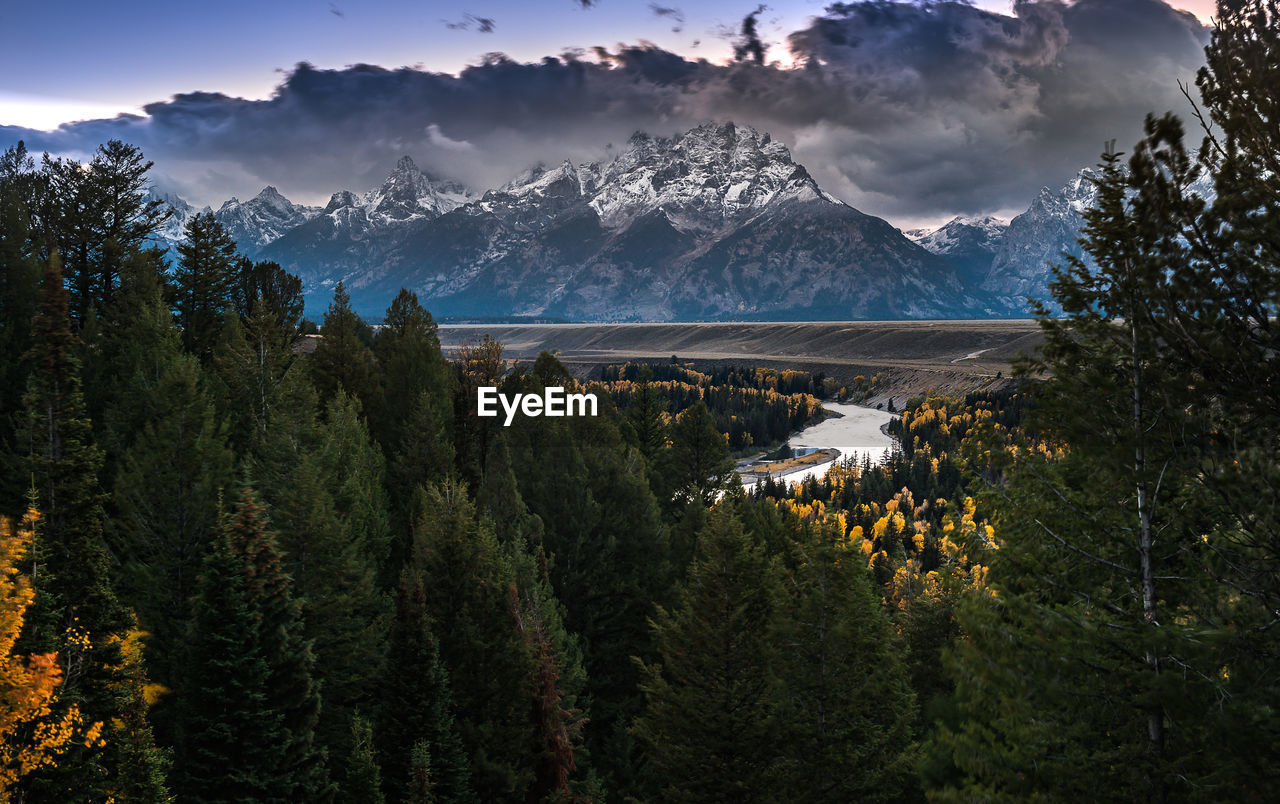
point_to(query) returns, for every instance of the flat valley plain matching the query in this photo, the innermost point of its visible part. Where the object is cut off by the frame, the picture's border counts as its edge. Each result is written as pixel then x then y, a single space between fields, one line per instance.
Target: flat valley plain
pixel 912 356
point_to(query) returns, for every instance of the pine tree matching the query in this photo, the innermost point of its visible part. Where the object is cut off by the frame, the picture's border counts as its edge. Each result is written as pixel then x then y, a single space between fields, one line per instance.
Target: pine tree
pixel 422 787
pixel 342 361
pixel 468 583
pixel 95 216
pixel 707 722
pixel 355 470
pixel 1101 660
pixel 417 706
pixel 323 482
pixel 202 282
pixel 232 739
pixel 250 705
pixel 413 420
pixel 267 284
pixel 118 178
pixel 292 690
pixel 646 429
pixel 345 614
pixel 257 377
pixel 590 510
pixel 20 272
pixel 698 459
pixel 139 342
pixel 410 365
pixel 167 494
pixel 1224 332
pixel 499 498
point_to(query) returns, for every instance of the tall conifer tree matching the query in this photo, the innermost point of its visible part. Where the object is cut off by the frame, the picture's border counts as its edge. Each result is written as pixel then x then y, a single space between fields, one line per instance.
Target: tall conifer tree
pixel 1128 634
pixel 707 722
pixel 202 282
pixel 249 700
pixel 342 361
pixel 845 707
pixel 417 705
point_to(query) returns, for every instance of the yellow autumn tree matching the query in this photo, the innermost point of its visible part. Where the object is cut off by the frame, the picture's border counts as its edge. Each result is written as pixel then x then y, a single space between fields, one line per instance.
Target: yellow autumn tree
pixel 29 739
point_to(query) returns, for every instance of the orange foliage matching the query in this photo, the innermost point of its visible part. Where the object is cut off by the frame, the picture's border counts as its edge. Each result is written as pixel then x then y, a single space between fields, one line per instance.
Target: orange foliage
pixel 29 737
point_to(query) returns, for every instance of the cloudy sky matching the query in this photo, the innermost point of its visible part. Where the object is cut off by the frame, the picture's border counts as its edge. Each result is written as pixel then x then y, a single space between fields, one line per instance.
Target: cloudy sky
pixel 911 111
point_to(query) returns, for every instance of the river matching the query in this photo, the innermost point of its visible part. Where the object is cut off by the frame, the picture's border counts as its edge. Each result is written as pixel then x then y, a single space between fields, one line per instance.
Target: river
pixel 856 433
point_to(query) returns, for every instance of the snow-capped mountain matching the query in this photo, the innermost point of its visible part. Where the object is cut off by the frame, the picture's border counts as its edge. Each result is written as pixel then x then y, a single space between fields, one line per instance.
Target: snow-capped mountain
pixel 409 193
pixel 350 237
pixel 179 213
pixel 1036 240
pixel 969 244
pixel 961 234
pixel 710 177
pixel 717 222
pixel 262 219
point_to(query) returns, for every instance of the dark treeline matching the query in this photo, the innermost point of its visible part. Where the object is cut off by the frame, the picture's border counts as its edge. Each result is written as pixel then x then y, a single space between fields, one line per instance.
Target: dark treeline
pixel 753 407
pixel 259 574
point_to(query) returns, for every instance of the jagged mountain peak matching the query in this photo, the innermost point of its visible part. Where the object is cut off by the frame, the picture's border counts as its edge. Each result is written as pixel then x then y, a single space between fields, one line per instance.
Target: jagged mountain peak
pixel 728 136
pixel 1073 197
pixel 172 200
pixel 985 222
pixel 268 197
pixel 968 243
pixel 963 232
pixel 260 220
pixel 561 181
pixel 174 228
pixel 1036 240
pixel 341 199
pixel 703 179
pixel 410 193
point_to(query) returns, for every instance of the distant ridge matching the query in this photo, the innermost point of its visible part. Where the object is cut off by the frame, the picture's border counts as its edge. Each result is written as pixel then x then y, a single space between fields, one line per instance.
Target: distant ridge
pixel 716 223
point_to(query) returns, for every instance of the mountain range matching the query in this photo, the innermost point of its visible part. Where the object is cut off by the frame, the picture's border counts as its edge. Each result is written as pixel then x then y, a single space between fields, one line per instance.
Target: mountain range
pixel 716 223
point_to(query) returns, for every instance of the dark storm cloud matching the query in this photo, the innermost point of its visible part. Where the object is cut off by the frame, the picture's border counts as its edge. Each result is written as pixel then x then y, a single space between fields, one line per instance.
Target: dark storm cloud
pixel 902 110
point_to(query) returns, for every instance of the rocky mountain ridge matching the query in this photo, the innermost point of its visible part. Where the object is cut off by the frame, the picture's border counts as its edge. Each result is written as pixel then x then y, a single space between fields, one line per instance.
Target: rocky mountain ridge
pixel 718 222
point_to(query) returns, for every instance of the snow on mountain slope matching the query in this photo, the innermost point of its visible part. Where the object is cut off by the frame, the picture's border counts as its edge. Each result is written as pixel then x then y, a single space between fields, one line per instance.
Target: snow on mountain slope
pixel 349 238
pixel 961 234
pixel 179 213
pixel 1036 240
pixel 262 219
pixel 716 222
